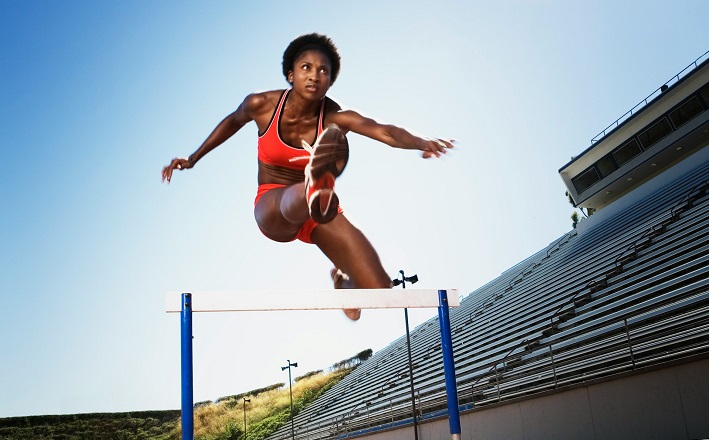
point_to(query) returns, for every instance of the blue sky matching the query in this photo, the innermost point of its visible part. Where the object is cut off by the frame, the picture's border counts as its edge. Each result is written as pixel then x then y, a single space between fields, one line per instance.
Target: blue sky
pixel 97 96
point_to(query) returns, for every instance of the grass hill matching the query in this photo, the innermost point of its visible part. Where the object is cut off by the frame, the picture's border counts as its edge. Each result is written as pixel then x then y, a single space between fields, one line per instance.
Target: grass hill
pixel 223 419
pixel 143 425
pixel 266 412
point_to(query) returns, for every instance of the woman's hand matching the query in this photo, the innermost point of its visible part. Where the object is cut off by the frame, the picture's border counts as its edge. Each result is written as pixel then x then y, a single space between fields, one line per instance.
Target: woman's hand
pixel 436 147
pixel 178 163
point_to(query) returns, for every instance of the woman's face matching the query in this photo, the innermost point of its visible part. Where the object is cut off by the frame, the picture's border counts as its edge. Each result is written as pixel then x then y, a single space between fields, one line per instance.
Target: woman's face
pixel 310 76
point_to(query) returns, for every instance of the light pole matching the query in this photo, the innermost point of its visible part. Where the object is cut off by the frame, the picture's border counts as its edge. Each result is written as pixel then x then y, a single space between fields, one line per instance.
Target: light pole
pixel 290 385
pixel 245 400
pixel 412 279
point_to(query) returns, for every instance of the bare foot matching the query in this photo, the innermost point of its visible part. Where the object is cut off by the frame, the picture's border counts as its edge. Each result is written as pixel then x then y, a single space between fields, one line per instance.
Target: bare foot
pixel 342 281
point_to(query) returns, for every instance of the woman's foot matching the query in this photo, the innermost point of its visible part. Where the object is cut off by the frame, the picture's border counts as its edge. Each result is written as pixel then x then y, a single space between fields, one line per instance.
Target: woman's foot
pixel 342 281
pixel 328 158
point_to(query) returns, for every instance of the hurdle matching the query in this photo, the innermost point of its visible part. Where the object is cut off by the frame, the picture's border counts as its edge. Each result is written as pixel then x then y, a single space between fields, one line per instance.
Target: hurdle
pixel 261 301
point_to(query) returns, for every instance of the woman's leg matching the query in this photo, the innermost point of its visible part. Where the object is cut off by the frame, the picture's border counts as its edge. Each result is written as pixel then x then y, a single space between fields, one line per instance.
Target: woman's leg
pixel 357 265
pixel 281 212
pixel 351 252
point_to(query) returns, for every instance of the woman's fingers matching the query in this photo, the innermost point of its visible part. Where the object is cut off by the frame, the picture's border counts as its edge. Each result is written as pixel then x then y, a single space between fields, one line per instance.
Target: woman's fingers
pixel 175 164
pixel 436 147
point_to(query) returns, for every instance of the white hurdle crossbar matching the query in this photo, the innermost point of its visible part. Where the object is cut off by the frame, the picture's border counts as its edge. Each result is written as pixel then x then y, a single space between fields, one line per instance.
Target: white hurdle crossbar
pixel 268 301
pixel 224 301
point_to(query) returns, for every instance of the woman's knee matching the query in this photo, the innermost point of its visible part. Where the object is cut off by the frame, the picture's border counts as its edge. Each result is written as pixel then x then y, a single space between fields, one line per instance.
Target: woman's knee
pixel 273 225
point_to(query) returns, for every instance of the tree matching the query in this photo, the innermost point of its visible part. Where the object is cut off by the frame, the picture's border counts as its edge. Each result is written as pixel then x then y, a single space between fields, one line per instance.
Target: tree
pixel 575 218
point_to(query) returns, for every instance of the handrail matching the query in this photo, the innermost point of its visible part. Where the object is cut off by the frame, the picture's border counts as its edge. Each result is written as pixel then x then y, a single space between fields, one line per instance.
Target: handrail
pixel 625 326
pixel 655 230
pixel 647 236
pixel 549 250
pixel 645 101
pixel 690 198
pixel 494 366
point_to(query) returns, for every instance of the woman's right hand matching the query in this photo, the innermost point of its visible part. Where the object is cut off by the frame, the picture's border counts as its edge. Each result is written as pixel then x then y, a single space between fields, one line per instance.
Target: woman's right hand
pixel 178 163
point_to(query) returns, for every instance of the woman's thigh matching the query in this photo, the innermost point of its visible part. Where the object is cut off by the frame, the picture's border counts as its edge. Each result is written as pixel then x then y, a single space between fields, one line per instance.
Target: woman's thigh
pixel 270 218
pixel 349 250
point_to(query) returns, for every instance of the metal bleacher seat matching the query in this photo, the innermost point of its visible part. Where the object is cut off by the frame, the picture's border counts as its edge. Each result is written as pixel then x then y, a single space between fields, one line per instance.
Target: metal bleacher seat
pixel 631 291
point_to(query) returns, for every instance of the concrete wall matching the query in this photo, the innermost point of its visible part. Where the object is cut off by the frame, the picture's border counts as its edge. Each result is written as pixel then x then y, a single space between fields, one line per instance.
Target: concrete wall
pixel 668 403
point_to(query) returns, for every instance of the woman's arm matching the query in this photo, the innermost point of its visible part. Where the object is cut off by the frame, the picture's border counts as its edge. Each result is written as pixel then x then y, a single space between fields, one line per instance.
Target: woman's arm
pixel 392 135
pixel 251 106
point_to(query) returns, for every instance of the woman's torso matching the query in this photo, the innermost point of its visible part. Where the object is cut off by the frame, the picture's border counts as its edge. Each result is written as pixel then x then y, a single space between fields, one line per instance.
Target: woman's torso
pixel 281 156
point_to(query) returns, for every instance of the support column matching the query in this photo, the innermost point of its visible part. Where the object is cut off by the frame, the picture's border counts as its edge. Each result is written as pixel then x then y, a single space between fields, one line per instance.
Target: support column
pixel 448 365
pixel 187 386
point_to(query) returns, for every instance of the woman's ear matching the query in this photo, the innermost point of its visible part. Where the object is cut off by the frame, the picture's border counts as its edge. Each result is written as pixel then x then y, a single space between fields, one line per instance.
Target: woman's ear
pixel 290 77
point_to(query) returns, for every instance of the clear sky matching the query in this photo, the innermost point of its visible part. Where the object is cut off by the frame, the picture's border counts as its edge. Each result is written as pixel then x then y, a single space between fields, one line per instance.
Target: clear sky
pixel 97 96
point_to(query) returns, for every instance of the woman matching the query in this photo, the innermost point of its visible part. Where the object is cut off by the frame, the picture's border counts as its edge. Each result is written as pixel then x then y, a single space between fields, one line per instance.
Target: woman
pixel 296 197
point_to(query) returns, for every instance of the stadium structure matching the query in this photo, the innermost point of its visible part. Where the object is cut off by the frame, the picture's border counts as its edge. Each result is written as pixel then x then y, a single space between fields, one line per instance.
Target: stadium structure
pixel 604 334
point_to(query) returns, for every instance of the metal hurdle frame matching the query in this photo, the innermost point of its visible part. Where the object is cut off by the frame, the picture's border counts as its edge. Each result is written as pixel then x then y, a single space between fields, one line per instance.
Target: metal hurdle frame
pixel 187 303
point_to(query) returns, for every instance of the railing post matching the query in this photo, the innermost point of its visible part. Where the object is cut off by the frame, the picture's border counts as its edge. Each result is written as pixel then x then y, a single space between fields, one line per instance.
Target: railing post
pixel 553 365
pixel 448 365
pixel 630 345
pixel 391 410
pixel 186 352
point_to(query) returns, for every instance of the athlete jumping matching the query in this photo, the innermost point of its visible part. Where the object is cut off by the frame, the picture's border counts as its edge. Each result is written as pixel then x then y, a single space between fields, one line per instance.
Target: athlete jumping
pixel 302 149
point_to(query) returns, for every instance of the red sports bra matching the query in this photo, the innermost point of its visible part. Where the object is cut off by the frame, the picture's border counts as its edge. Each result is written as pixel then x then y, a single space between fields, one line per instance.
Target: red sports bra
pixel 271 148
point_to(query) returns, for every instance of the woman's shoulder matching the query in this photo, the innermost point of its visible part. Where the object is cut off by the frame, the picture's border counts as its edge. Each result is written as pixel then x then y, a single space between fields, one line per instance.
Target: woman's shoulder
pixel 331 106
pixel 335 114
pixel 257 100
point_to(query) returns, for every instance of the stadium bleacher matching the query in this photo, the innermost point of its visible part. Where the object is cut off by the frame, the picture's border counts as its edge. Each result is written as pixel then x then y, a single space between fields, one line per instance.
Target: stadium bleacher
pixel 632 292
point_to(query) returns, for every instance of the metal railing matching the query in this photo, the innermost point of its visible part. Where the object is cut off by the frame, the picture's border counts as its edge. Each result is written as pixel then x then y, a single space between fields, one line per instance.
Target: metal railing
pixel 650 97
pixel 622 345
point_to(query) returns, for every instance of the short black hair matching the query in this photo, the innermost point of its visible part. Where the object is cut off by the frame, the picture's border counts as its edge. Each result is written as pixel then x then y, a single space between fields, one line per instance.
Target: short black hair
pixel 312 41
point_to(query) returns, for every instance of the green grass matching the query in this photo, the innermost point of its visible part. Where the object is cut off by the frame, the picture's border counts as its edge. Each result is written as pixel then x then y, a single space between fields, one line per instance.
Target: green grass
pixel 265 413
pixel 142 425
